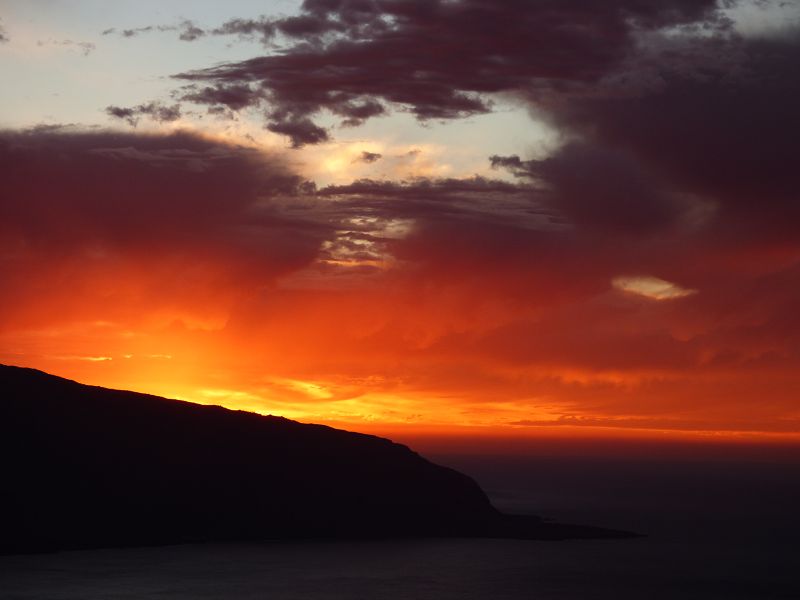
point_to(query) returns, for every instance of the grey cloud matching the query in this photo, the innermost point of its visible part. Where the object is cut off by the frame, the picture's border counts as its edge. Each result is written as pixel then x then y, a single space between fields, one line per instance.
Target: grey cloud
pixel 155 110
pixel 369 157
pixel 438 60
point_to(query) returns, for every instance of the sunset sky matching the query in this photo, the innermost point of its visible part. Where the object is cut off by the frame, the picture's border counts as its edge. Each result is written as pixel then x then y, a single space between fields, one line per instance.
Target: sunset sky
pixel 522 217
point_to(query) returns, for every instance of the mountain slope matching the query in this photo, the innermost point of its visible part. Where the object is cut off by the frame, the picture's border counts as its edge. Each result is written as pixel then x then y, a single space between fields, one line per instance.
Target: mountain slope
pixel 85 466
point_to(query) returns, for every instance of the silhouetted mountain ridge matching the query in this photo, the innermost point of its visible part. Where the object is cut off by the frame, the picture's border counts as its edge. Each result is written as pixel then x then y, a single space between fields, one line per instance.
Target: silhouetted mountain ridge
pixel 86 466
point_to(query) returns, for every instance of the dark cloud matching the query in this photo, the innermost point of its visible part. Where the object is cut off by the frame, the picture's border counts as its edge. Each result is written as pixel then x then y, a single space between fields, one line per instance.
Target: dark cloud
pixel 513 163
pixel 352 18
pixel 187 31
pixel 46 128
pixel 369 157
pixel 129 193
pixel 300 131
pixel 602 188
pixel 429 201
pixel 88 209
pixel 439 60
pixel 190 32
pixel 120 112
pixel 424 188
pixel 262 28
pixel 356 113
pixel 3 35
pixel 719 124
pixel 155 110
pixel 132 32
pixel 179 210
pixel 457 229
pixel 233 97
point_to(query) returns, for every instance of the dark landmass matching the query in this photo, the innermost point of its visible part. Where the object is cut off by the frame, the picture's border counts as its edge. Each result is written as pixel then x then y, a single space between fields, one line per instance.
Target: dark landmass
pixel 85 466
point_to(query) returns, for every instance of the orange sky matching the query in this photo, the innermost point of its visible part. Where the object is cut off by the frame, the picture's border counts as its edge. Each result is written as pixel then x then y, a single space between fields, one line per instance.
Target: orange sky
pixel 333 246
pixel 410 326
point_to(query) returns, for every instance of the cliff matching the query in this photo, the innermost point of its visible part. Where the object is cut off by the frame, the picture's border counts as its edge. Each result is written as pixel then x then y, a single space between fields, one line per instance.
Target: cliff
pixel 85 466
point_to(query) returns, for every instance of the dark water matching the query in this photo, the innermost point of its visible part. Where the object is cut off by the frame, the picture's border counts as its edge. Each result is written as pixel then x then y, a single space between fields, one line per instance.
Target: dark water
pixel 718 529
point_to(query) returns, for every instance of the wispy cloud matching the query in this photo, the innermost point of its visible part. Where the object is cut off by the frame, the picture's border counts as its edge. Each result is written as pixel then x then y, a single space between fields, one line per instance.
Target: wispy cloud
pixel 85 48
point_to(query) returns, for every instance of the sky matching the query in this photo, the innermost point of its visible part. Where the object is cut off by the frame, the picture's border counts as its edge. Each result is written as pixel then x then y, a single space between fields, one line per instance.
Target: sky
pixel 509 218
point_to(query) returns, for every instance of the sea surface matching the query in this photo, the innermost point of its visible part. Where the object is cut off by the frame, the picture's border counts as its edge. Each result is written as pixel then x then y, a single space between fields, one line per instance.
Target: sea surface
pixel 723 529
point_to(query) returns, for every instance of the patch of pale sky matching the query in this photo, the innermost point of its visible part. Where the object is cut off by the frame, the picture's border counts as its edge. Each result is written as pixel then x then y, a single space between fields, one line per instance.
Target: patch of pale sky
pixel 764 17
pixel 56 84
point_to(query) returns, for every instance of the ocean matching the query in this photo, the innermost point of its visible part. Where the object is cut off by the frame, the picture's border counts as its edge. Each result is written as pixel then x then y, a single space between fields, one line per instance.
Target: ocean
pixel 716 529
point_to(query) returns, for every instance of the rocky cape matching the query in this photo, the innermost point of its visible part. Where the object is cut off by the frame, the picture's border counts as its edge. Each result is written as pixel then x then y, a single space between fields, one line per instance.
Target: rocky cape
pixel 86 466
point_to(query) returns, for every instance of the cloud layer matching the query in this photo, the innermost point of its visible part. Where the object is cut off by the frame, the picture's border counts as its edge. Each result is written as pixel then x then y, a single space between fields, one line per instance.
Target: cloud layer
pixel 438 60
pixel 82 212
pixel 645 273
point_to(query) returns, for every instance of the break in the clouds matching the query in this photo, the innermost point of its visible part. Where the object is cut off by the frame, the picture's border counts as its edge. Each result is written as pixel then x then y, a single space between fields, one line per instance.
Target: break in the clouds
pixel 646 270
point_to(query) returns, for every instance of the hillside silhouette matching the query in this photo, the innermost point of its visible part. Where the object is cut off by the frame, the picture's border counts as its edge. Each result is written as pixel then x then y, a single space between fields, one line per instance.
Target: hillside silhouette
pixel 85 466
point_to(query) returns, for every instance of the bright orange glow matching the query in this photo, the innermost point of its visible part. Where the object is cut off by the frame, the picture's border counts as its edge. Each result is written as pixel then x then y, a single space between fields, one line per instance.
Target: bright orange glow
pixel 392 358
pixel 430 306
